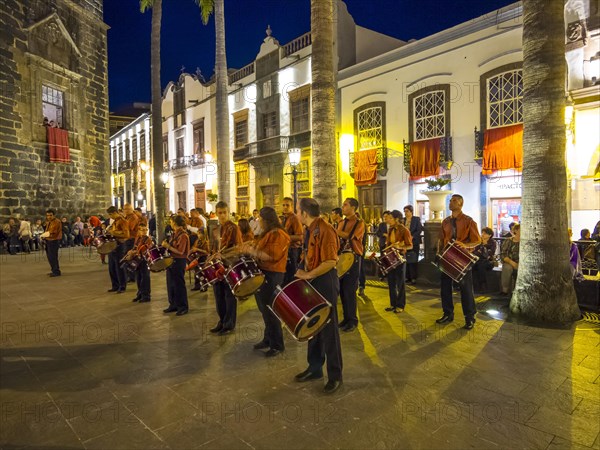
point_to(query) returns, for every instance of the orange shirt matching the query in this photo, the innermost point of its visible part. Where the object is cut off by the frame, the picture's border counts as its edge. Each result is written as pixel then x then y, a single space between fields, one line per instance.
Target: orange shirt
pixel 133 222
pixel 143 220
pixel 400 234
pixel 275 243
pixel 230 235
pixel 323 244
pixel 196 222
pixel 466 230
pixel 200 244
pixel 249 236
pixel 121 224
pixel 292 225
pixel 181 241
pixel 54 227
pixel 346 225
pixel 142 243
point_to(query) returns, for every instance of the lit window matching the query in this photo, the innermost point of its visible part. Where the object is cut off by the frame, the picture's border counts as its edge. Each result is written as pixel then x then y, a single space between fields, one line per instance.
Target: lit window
pixel 370 128
pixel 505 99
pixel 53 106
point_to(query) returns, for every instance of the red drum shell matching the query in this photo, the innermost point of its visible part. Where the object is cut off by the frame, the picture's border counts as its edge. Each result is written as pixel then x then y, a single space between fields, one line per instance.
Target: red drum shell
pixel 302 309
pixel 213 271
pixel 104 244
pixel 158 259
pixel 390 259
pixel 456 261
pixel 244 277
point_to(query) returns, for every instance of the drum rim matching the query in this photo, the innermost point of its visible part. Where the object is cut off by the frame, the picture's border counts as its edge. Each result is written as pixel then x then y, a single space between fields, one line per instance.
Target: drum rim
pixel 241 281
pixel 307 317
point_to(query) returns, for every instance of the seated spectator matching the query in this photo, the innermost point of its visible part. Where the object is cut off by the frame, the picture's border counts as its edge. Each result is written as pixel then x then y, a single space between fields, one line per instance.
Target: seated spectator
pixel 36 230
pixel 510 230
pixel 574 257
pixel 11 231
pixel 68 238
pixel 486 251
pixel 510 261
pixel 25 235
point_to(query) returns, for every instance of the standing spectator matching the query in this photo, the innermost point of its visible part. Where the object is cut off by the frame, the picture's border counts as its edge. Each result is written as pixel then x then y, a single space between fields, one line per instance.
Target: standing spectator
pixel 36 230
pixel 53 237
pixel 413 223
pixel 255 223
pixel 510 261
pixel 382 230
pixel 25 235
pixel 247 234
pixel 77 231
pixel 86 235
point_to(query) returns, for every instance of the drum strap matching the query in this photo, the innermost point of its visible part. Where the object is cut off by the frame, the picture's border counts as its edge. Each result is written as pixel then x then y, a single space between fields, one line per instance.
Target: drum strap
pixel 347 241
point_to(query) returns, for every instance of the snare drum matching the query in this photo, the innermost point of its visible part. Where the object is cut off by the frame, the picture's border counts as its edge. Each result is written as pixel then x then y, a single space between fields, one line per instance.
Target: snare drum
pixel 158 259
pixel 301 309
pixel 390 259
pixel 456 261
pixel 244 277
pixel 345 261
pixel 132 264
pixel 193 259
pixel 211 272
pixel 105 244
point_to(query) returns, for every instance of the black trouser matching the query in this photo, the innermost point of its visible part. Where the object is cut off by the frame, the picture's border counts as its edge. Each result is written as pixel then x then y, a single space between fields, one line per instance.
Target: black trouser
pixel 466 296
pixel 362 279
pixel 52 253
pixel 176 288
pixel 412 268
pixel 129 243
pixel 348 287
pixel 480 269
pixel 397 286
pixel 118 277
pixel 326 344
pixel 264 298
pixel 226 305
pixel 142 278
pixel 292 265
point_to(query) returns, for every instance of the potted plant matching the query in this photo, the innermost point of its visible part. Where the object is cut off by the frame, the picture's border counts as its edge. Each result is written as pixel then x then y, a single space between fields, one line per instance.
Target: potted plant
pixel 437 197
pixel 212 200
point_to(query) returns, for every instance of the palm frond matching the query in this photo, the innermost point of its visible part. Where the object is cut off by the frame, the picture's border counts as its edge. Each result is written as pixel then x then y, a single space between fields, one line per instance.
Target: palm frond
pixel 145 5
pixel 207 7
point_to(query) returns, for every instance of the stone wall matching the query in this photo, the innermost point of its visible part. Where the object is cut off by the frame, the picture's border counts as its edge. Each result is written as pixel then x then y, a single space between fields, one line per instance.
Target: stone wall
pixel 61 44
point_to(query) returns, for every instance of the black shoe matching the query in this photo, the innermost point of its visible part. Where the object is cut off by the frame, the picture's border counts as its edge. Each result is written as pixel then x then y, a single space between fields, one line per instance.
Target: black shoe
pixel 144 300
pixel 137 299
pixel 272 352
pixel 217 328
pixel 112 290
pixel 343 323
pixel 445 319
pixel 225 331
pixel 390 308
pixel 121 291
pixel 332 386
pixel 52 275
pixel 349 327
pixel 196 288
pixel 307 375
pixel 470 323
pixel 181 312
pixel 261 345
pixel 169 310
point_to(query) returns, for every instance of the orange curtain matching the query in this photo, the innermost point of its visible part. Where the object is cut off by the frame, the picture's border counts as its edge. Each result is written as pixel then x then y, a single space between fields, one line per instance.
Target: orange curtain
pixel 503 149
pixel 58 144
pixel 365 167
pixel 424 158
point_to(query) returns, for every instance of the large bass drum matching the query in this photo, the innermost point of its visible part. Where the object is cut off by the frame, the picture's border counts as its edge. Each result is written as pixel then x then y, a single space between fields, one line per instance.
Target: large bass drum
pixel 244 277
pixel 301 309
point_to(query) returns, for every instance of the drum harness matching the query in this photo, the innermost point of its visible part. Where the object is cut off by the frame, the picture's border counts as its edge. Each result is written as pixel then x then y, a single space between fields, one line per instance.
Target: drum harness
pixel 347 242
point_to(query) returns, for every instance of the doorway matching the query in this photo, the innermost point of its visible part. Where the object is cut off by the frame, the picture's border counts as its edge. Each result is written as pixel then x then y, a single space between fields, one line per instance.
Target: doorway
pixel 270 196
pixel 371 201
pixel 200 196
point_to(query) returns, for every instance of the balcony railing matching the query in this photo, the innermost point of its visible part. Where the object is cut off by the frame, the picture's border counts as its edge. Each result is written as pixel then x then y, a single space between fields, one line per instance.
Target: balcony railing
pixel 382 154
pixel 241 153
pixel 445 153
pixel 126 165
pixel 242 73
pixel 268 146
pixel 300 140
pixel 118 191
pixel 185 161
pixel 198 159
pixel 478 135
pixel 296 45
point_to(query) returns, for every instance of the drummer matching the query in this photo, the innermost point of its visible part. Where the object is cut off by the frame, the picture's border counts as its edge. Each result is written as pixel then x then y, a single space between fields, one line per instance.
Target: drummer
pixel 201 247
pixel 270 252
pixel 230 237
pixel 465 233
pixel 142 273
pixel 120 230
pixel 397 236
pixel 133 222
pixel 351 231
pixel 320 251
pixel 293 227
pixel 178 246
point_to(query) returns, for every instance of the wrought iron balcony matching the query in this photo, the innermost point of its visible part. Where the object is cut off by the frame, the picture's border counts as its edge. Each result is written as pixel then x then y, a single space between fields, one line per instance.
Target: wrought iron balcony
pixel 300 140
pixel 382 156
pixel 126 165
pixel 198 159
pixel 478 135
pixel 269 146
pixel 241 153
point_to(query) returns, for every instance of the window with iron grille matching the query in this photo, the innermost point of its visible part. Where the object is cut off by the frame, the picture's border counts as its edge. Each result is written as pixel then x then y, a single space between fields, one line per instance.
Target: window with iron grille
pixel 505 99
pixel 300 114
pixel 179 143
pixel 53 106
pixel 370 128
pixel 165 148
pixel 429 115
pixel 143 146
pixel 269 121
pixel 199 138
pixel 134 149
pixel 241 133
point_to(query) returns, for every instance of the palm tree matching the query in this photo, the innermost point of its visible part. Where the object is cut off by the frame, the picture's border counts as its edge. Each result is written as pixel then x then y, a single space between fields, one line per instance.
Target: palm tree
pixel 544 288
pixel 323 104
pixel 207 7
pixel 157 156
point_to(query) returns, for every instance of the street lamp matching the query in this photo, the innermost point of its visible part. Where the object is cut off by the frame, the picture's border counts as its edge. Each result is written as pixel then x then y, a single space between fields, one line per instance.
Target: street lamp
pixel 294 155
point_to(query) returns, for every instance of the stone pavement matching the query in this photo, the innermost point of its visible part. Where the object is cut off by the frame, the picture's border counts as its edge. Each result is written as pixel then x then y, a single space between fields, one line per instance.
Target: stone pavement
pixel 83 368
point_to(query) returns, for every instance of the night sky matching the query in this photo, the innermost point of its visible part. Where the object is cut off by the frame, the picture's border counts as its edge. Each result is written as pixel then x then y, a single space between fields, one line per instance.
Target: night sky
pixel 187 42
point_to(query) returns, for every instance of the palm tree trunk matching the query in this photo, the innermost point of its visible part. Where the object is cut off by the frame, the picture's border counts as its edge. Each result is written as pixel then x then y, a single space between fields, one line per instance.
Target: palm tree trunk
pixel 323 105
pixel 157 155
pixel 222 106
pixel 544 288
